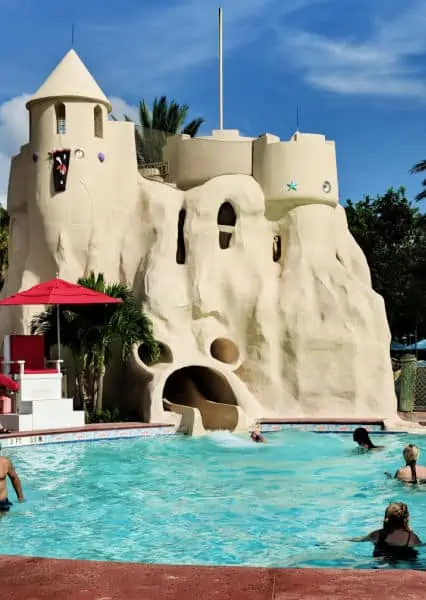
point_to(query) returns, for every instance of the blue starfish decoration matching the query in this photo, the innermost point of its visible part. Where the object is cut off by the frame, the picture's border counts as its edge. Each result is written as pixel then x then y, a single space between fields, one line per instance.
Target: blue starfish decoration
pixel 292 186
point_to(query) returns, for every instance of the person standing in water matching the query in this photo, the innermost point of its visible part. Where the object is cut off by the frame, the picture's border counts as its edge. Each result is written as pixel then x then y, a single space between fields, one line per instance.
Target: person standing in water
pixel 8 470
pixel 362 438
pixel 395 540
pixel 412 472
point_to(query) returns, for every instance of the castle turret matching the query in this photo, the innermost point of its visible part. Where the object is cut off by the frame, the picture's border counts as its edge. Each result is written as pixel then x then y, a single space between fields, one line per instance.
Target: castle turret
pixel 79 171
pixel 300 171
pixel 69 100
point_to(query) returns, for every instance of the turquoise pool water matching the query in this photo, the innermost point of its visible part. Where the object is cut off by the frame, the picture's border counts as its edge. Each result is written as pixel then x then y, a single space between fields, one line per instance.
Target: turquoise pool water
pixel 293 502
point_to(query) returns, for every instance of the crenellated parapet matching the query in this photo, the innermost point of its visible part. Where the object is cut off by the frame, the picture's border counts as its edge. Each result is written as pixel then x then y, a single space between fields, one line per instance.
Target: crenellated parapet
pixel 291 173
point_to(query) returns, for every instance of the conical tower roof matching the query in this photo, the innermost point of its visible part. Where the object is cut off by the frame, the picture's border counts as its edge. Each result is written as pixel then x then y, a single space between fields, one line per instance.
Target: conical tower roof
pixel 70 79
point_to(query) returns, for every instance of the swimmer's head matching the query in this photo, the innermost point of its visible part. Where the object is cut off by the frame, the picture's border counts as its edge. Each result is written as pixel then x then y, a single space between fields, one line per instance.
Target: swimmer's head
pixel 361 437
pixel 397 516
pixel 411 453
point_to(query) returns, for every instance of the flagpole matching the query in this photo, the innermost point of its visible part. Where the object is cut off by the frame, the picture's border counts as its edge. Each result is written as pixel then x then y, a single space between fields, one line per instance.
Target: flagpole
pixel 220 70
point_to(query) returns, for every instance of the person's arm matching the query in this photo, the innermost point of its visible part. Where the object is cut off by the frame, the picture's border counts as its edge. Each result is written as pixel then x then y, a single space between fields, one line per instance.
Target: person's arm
pixel 16 482
pixel 370 537
pixel 390 476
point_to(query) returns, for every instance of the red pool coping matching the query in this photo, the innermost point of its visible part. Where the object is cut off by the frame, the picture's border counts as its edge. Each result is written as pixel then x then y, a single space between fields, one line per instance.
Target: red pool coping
pixel 44 579
pixel 90 427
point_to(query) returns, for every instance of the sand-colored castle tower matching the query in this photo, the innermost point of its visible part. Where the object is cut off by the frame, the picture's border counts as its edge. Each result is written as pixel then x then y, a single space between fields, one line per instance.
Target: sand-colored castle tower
pixel 259 295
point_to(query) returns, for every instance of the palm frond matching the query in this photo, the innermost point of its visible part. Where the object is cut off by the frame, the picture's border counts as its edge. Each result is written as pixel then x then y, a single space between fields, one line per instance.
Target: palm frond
pixel 418 167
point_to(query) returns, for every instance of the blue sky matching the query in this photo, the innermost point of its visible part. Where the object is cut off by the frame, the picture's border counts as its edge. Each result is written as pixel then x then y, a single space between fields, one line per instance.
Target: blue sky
pixel 355 68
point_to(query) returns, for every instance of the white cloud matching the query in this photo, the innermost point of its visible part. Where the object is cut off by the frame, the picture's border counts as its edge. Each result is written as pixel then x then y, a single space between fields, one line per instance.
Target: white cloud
pixel 145 51
pixel 14 132
pixel 382 64
pixel 120 108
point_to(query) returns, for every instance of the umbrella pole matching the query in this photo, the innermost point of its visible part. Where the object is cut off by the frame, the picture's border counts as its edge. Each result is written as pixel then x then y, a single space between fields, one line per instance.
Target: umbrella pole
pixel 58 330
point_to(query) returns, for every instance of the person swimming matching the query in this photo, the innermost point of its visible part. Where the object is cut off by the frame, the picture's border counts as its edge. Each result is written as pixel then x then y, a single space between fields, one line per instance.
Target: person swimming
pixel 412 472
pixel 362 438
pixel 257 437
pixel 395 540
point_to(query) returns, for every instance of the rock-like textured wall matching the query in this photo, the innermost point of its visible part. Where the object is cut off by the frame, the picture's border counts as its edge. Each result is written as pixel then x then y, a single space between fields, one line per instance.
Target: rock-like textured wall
pixel 308 336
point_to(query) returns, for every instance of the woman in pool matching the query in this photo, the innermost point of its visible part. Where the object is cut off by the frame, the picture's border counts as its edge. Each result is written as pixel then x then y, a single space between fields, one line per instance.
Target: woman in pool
pixel 395 540
pixel 363 440
pixel 412 472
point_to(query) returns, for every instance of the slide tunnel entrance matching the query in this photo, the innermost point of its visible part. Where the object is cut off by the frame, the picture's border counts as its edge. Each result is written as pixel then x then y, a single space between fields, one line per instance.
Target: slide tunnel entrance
pixel 208 391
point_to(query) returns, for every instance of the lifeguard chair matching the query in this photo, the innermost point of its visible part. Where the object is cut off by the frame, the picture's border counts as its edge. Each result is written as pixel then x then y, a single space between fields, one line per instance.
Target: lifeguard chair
pixel 39 404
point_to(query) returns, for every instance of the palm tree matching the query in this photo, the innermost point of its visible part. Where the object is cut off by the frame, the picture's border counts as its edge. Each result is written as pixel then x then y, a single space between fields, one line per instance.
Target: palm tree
pixel 420 167
pixel 90 330
pixel 156 125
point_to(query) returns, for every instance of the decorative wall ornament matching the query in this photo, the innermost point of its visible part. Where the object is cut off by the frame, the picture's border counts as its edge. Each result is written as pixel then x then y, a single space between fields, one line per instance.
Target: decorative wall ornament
pixel 292 186
pixel 101 156
pixel 61 161
pixel 35 156
pixel 326 186
pixel 79 153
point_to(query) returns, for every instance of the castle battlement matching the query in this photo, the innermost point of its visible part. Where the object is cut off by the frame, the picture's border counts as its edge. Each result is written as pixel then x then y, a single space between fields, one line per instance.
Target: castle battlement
pixel 299 171
pixel 193 161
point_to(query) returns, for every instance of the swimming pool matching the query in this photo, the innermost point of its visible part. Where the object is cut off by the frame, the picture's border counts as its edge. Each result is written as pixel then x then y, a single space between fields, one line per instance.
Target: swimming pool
pixel 221 499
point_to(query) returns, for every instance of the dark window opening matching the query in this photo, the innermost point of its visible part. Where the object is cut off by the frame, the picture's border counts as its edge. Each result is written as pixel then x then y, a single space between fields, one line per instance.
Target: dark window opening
pixel 99 125
pixel 226 220
pixel 61 121
pixel 180 250
pixel 276 248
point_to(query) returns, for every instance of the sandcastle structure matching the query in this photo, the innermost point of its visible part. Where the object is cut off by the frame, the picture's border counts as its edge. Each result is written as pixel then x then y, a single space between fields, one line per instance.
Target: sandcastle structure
pixel 259 295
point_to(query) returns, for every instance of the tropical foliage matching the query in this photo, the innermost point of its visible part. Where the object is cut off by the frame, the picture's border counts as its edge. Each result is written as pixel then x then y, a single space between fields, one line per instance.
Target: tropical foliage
pixel 165 119
pixel 4 244
pixel 420 167
pixel 392 234
pixel 89 331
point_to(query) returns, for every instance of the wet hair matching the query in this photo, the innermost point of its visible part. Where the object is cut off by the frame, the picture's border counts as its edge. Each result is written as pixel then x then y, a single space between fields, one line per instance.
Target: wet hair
pixel 396 517
pixel 411 454
pixel 361 437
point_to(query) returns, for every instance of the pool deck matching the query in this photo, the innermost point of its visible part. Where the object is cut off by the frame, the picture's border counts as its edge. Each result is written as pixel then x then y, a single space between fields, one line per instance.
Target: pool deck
pixel 44 579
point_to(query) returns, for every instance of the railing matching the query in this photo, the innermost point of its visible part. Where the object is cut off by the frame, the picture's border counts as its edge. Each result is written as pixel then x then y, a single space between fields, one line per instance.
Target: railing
pixel 156 168
pixel 20 377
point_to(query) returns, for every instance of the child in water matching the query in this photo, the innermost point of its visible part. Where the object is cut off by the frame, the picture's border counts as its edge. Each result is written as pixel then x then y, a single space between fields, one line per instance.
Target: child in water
pixel 257 437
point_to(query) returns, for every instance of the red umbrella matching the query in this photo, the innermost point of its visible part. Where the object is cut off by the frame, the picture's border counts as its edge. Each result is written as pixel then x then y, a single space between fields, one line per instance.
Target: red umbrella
pixel 9 383
pixel 58 291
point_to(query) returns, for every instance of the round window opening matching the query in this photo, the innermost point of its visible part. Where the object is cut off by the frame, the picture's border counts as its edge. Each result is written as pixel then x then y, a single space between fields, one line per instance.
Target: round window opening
pixel 165 355
pixel 326 186
pixel 224 350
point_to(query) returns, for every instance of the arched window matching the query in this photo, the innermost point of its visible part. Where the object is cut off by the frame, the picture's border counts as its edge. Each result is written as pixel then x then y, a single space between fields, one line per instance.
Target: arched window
pixel 276 248
pixel 61 120
pixel 99 124
pixel 226 219
pixel 180 250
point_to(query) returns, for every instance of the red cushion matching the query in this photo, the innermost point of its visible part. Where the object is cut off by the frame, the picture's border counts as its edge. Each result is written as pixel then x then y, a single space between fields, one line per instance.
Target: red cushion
pixel 29 348
pixel 38 371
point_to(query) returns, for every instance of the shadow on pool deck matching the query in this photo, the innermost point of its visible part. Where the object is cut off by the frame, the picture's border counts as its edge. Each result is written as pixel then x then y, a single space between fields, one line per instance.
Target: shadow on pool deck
pixel 43 579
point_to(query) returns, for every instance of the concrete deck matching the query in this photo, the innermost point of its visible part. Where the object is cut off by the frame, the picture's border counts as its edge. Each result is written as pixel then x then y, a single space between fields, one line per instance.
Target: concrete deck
pixel 43 579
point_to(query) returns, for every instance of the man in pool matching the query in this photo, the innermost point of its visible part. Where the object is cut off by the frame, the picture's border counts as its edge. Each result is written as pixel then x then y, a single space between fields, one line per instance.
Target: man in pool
pixel 7 470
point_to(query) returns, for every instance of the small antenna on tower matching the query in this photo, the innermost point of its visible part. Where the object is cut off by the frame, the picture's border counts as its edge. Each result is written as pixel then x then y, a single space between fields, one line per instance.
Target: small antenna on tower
pixel 220 71
pixel 297 119
pixel 72 35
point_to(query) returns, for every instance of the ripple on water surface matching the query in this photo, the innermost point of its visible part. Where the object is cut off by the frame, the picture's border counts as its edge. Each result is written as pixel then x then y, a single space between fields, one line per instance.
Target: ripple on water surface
pixel 215 500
